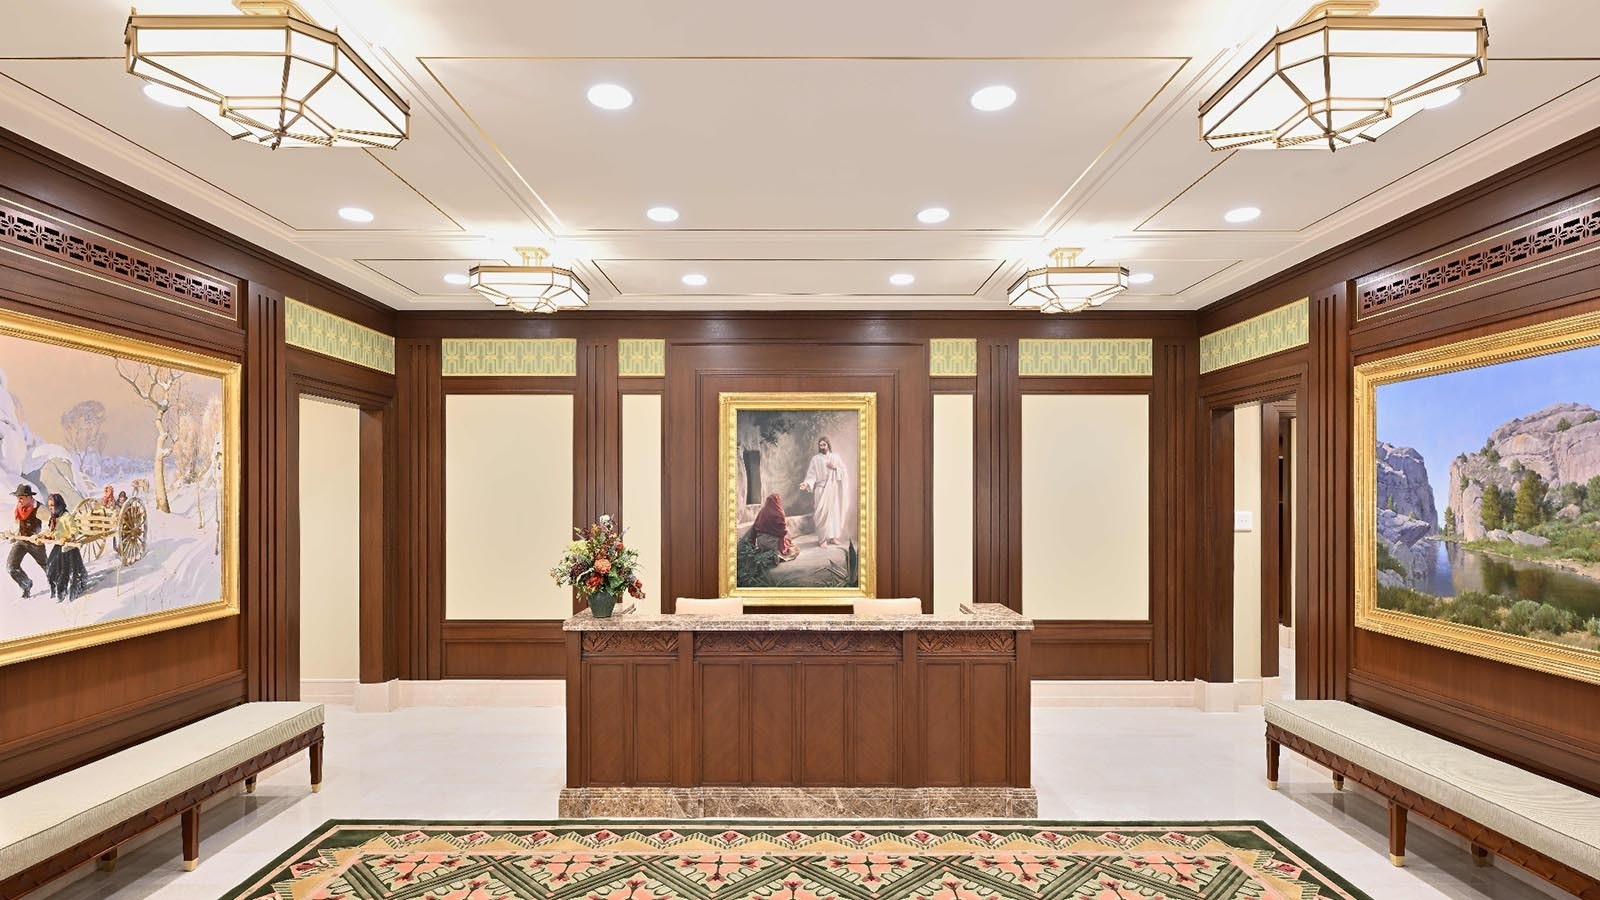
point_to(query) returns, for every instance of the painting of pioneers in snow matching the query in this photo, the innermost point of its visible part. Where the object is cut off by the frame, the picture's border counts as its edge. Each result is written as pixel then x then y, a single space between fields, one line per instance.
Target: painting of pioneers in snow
pixel 117 459
pixel 798 483
pixel 1486 507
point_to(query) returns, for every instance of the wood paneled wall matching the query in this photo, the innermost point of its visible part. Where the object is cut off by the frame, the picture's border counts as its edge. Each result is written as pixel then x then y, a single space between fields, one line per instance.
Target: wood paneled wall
pixel 61 711
pixel 1545 722
pixel 883 352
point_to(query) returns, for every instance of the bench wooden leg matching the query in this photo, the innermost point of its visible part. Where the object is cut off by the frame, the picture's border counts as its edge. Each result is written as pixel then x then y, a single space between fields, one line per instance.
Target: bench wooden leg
pixel 107 860
pixel 1480 856
pixel 191 838
pixel 1273 752
pixel 250 784
pixel 1397 833
pixel 316 767
pixel 1338 782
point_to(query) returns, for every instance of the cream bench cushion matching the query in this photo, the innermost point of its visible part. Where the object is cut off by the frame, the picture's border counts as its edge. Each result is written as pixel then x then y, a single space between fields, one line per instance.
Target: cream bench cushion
pixel 40 821
pixel 1561 822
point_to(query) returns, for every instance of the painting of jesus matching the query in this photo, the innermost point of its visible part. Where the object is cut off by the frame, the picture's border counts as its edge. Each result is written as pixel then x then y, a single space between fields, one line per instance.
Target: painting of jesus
pixel 797 483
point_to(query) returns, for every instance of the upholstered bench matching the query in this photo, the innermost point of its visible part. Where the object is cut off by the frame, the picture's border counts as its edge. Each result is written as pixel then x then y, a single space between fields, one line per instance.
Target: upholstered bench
pixel 1548 828
pixel 84 814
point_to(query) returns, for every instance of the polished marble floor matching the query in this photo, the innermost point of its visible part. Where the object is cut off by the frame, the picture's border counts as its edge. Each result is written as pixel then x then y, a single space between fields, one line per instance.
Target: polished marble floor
pixel 507 763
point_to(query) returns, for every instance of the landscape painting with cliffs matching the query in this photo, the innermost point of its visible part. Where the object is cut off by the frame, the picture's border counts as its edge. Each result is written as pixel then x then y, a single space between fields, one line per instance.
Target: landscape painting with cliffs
pixel 1488 497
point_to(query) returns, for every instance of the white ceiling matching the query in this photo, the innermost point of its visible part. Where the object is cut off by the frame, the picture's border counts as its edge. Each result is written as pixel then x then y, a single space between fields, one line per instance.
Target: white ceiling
pixel 798 142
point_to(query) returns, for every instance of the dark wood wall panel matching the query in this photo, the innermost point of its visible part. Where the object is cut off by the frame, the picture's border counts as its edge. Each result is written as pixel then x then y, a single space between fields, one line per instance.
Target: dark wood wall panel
pixel 1537 720
pixel 60 711
pixel 1093 650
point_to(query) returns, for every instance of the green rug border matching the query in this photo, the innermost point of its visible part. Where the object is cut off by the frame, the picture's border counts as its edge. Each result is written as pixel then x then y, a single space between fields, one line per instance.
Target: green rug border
pixel 1042 824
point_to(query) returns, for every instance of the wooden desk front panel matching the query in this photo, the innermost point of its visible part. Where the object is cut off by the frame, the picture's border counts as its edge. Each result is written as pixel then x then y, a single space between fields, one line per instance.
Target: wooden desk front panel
pixel 804 709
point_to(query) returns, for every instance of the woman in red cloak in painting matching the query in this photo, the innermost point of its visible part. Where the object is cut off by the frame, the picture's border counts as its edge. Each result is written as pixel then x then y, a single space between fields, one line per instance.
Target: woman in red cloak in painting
pixel 771 529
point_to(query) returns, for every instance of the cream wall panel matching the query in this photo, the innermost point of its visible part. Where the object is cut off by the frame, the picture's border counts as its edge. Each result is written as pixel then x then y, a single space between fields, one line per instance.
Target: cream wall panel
pixel 641 489
pixel 330 542
pixel 952 501
pixel 508 504
pixel 1086 506
pixel 1247 544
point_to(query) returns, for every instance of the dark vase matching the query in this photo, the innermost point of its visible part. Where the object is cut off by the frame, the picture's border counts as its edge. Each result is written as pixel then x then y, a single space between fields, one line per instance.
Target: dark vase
pixel 601 605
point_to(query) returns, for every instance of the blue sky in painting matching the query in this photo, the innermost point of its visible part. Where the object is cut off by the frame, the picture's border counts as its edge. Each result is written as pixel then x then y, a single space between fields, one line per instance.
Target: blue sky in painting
pixel 1446 415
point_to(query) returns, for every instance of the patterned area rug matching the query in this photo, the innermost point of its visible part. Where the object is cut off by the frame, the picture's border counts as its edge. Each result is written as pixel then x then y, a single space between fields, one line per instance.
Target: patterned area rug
pixel 641 860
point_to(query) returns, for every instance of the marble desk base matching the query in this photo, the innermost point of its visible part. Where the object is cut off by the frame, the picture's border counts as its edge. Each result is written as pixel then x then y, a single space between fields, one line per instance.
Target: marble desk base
pixel 798 802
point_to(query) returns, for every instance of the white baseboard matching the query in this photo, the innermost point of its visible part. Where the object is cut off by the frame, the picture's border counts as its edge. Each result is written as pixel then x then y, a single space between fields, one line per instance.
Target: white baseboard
pixel 332 691
pixel 455 692
pixel 1201 695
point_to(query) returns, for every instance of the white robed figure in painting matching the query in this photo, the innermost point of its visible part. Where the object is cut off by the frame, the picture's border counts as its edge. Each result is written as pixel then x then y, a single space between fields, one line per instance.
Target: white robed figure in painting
pixel 827 481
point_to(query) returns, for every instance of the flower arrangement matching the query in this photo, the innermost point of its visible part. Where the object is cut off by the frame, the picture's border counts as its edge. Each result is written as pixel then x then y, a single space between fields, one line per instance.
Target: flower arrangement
pixel 599 563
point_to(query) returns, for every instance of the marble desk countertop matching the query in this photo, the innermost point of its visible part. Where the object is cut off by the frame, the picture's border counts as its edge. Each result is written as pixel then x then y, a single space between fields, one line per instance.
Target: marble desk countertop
pixel 973 617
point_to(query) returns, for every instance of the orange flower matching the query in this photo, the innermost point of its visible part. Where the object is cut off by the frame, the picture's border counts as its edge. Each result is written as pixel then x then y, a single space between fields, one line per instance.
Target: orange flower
pixel 602 565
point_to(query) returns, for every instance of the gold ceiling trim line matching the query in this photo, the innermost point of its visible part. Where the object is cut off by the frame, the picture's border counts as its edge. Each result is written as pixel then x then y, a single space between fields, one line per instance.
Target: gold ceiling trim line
pixel 425 198
pixel 1040 227
pixel 364 262
pixel 976 294
pixel 1140 229
pixel 538 198
pixel 212 184
pixel 1182 61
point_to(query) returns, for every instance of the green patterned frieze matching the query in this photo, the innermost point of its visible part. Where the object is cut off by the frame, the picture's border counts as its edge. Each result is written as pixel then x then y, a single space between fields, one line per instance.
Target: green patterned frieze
pixel 1044 357
pixel 510 356
pixel 953 357
pixel 310 328
pixel 1271 332
pixel 641 357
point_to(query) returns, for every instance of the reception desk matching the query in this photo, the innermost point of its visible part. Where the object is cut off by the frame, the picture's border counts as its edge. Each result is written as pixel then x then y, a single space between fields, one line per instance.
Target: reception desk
pixel 799 715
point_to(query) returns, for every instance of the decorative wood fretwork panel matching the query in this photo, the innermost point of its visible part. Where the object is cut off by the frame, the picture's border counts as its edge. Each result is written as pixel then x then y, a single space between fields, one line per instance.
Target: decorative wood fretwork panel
pixel 41 235
pixel 630 643
pixel 1540 238
pixel 966 642
pixel 825 643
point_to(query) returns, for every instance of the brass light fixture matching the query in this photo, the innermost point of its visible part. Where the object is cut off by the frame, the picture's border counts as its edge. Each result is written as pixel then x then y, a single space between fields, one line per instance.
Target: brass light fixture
pixel 532 287
pixel 1343 75
pixel 270 76
pixel 1065 286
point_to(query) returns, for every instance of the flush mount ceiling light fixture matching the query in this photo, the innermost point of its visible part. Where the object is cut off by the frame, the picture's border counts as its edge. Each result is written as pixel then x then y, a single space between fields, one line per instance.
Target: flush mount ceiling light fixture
pixel 1342 75
pixel 532 287
pixel 270 76
pixel 1065 286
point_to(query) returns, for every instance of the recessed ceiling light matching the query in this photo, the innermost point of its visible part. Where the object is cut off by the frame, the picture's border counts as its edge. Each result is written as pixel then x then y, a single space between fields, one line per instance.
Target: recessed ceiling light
pixel 1141 278
pixel 1242 214
pixel 610 96
pixel 933 215
pixel 355 214
pixel 455 278
pixel 661 214
pixel 160 93
pixel 993 98
pixel 901 279
pixel 1443 98
pixel 694 279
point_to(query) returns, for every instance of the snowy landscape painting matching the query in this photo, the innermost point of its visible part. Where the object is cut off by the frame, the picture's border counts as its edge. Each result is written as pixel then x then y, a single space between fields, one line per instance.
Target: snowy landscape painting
pixel 117 459
pixel 1485 485
pixel 799 468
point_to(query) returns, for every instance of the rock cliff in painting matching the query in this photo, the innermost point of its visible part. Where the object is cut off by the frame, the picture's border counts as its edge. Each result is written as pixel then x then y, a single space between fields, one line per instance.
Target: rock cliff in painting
pixel 1560 444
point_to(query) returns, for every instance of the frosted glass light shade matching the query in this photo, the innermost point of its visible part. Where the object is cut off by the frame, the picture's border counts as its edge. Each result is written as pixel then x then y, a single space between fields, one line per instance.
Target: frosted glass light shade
pixel 271 79
pixel 1067 288
pixel 529 288
pixel 1339 79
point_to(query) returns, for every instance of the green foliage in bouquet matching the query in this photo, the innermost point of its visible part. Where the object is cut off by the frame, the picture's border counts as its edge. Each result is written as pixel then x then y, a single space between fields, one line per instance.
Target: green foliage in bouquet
pixel 599 562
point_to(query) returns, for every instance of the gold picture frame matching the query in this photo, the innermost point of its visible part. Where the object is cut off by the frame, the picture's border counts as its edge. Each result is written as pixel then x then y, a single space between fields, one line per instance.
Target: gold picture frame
pixel 73 337
pixel 865 406
pixel 1572 333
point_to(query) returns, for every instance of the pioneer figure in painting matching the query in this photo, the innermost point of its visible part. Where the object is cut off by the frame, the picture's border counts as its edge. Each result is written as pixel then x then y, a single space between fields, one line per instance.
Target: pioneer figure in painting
pixel 825 480
pixel 68 575
pixel 26 518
